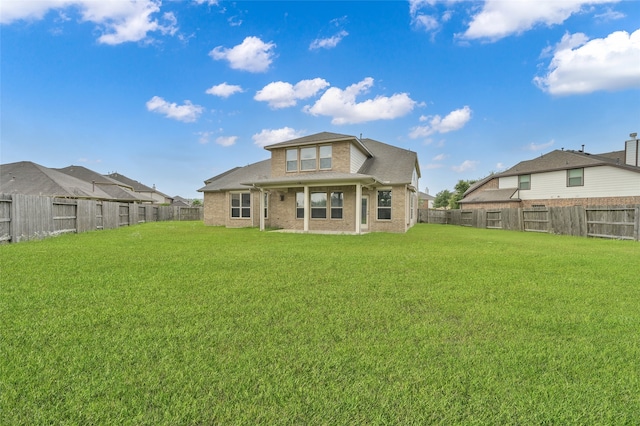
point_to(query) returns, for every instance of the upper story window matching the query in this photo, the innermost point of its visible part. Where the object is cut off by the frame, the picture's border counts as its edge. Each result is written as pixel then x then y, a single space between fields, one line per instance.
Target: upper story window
pixel 325 156
pixel 524 182
pixel 309 158
pixel 292 160
pixel 575 177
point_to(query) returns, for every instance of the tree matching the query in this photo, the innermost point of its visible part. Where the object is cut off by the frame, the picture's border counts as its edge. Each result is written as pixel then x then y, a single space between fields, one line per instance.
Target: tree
pixel 442 199
pixel 460 188
pixel 196 203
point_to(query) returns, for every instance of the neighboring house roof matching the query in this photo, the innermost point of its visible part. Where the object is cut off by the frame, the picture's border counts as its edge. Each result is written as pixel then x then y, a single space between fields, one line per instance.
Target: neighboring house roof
pixel 385 165
pixel 425 196
pixel 137 186
pixel 118 190
pixel 29 178
pixel 563 160
pixel 491 196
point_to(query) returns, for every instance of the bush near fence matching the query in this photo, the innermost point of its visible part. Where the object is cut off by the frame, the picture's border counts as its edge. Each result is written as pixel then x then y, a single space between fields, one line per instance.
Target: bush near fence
pixel 617 222
pixel 29 217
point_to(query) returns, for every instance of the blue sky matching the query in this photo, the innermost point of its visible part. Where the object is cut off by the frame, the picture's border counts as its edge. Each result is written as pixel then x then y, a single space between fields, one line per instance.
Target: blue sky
pixel 171 93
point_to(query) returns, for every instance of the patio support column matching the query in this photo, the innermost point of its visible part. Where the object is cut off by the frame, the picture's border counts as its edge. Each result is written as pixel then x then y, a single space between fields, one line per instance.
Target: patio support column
pixel 358 208
pixel 261 209
pixel 307 208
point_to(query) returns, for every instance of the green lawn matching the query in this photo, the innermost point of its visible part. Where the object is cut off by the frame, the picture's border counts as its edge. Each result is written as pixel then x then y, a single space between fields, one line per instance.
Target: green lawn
pixel 177 323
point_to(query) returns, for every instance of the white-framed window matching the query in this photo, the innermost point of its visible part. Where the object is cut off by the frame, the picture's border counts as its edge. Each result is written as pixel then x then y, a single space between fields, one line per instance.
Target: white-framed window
pixel 325 157
pixel 292 160
pixel 240 205
pixel 318 205
pixel 524 182
pixel 575 177
pixel 266 205
pixel 337 202
pixel 308 156
pixel 412 196
pixel 384 204
pixel 299 205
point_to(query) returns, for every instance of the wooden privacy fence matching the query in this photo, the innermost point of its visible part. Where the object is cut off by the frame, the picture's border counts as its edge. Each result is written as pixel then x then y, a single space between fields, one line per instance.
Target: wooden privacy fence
pixel 618 222
pixel 28 217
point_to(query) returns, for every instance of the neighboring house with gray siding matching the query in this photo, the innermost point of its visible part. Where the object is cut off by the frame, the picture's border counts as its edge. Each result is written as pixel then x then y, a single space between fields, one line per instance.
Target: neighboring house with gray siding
pixel 326 182
pixel 562 178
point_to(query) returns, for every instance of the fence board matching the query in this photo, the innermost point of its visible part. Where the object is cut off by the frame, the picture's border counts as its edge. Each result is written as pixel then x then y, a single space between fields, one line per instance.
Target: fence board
pixel 621 222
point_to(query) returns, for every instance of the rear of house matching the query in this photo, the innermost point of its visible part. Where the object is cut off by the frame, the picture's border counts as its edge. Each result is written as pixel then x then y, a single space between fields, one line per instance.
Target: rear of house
pixel 325 182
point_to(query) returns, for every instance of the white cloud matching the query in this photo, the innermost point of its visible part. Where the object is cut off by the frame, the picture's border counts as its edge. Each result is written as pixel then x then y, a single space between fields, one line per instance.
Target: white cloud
pixel 280 94
pixel 251 55
pixel 119 21
pixel 209 2
pixel 455 120
pixel 203 137
pixel 500 18
pixel 579 66
pixel 540 146
pixel 329 42
pixel 269 137
pixel 187 112
pixel 440 157
pixel 226 140
pixel 342 106
pixel 426 22
pixel 465 166
pixel 433 166
pixel 224 90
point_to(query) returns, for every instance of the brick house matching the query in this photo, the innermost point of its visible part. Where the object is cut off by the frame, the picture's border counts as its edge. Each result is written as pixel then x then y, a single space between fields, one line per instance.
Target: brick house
pixel 325 182
pixel 562 178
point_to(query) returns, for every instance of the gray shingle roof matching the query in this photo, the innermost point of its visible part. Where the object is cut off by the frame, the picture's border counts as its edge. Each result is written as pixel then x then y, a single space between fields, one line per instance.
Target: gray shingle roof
pixel 235 178
pixel 563 160
pixel 387 164
pixel 118 190
pixel 137 186
pixel 491 196
pixel 26 177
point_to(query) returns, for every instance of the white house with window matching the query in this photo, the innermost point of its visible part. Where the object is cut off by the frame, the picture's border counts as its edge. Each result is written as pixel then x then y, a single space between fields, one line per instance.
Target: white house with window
pixel 562 178
pixel 326 182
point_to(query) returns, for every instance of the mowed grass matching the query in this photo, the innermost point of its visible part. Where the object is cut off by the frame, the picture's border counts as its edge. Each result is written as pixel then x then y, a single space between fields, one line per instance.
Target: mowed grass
pixel 178 323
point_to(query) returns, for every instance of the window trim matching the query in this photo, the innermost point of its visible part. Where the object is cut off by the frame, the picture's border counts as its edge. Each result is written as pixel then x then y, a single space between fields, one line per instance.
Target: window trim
pixel 317 160
pixel 320 157
pixel 287 161
pixel 380 208
pixel 339 208
pixel 569 185
pixel 241 209
pixel 318 210
pixel 520 182
pixel 299 207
